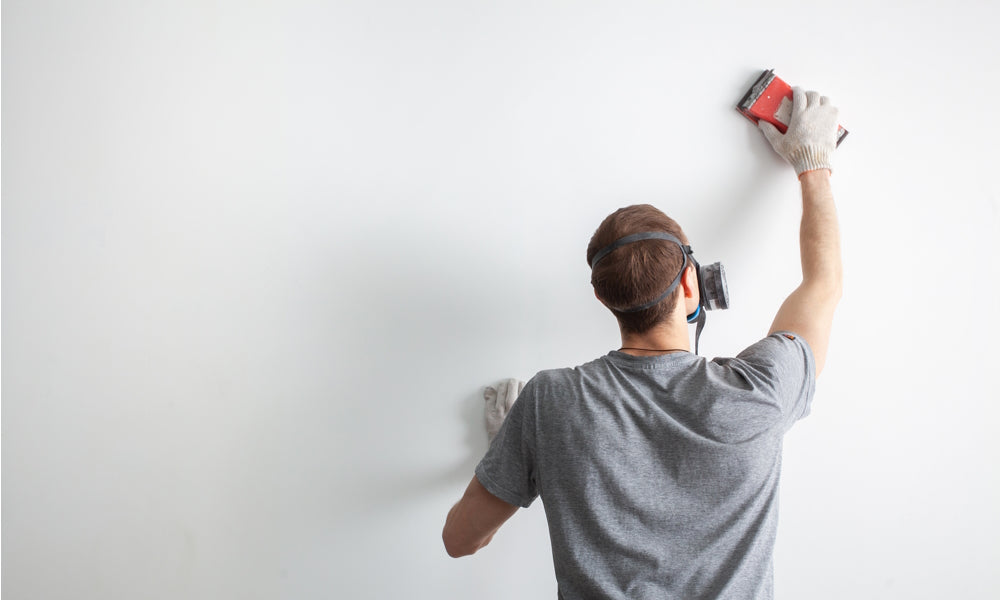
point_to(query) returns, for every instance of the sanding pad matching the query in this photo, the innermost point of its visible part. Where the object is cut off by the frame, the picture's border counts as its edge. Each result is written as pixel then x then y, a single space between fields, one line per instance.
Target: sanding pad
pixel 770 98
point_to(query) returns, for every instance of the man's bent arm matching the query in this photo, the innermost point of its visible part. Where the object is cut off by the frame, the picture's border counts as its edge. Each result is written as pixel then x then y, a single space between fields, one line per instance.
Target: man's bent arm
pixel 808 311
pixel 474 520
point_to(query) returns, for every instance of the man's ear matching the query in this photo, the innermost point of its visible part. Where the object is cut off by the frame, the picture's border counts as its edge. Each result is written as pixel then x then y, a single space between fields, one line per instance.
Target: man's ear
pixel 692 296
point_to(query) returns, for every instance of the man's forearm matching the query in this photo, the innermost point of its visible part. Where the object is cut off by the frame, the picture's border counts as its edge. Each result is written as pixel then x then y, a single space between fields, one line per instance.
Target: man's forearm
pixel 819 235
pixel 812 132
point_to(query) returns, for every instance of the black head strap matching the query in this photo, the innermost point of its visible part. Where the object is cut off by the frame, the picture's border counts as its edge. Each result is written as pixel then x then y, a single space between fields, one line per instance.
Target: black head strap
pixel 638 237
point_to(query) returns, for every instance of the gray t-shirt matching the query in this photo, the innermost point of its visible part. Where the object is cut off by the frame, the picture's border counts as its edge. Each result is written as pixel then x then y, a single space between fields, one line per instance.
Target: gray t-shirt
pixel 659 475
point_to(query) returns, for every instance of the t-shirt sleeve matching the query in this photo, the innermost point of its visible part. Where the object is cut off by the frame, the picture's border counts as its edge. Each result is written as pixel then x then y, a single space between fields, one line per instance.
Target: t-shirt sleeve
pixel 508 469
pixel 782 366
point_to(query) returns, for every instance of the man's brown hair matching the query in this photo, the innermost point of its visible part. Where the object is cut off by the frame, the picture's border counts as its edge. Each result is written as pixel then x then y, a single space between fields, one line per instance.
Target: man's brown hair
pixel 637 273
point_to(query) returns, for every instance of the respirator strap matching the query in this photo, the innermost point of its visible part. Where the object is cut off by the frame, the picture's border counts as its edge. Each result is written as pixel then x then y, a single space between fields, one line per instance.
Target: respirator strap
pixel 638 237
pixel 629 239
pixel 663 296
pixel 698 315
pixel 697 331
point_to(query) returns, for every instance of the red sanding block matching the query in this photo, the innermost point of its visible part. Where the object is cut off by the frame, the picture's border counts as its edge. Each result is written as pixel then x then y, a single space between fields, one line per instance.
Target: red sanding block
pixel 770 98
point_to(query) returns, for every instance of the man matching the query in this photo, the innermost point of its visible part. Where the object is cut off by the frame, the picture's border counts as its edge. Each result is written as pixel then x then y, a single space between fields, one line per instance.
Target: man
pixel 659 468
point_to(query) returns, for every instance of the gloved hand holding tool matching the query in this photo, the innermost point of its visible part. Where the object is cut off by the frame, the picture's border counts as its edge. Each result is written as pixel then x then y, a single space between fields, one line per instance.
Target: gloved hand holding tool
pixel 812 132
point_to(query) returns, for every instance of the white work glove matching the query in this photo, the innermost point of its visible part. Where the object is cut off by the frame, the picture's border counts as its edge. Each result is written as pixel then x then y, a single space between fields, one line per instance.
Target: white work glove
pixel 812 132
pixel 498 403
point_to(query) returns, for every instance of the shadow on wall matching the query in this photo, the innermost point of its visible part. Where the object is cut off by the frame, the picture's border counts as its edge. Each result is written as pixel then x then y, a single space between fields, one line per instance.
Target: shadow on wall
pixel 471 412
pixel 453 477
pixel 734 205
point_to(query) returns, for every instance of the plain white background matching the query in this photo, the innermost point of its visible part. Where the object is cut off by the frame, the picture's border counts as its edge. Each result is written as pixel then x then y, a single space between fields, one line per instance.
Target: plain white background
pixel 260 258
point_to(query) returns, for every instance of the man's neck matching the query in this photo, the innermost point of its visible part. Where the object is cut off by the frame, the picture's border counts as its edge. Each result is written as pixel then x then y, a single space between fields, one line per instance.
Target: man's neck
pixel 662 339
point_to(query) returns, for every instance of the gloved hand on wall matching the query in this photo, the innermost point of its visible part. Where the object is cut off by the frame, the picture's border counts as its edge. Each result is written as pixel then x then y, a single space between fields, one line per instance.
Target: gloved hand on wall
pixel 499 399
pixel 811 138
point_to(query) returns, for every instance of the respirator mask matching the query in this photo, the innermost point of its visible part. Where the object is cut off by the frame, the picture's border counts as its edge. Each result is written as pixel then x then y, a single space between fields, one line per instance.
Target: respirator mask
pixel 712 290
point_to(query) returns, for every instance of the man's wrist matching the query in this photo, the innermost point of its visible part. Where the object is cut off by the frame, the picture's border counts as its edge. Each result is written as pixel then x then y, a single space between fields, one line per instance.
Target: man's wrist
pixel 815 175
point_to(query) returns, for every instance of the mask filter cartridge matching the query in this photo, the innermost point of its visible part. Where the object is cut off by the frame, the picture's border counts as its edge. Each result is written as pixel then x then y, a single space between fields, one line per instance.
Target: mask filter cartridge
pixel 713 288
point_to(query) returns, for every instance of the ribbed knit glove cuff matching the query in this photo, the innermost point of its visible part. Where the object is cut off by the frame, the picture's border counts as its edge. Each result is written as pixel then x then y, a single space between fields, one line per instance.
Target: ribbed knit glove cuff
pixel 810 158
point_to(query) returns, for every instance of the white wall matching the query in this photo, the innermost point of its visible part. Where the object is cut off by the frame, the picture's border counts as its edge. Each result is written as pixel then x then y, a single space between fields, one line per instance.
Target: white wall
pixel 259 259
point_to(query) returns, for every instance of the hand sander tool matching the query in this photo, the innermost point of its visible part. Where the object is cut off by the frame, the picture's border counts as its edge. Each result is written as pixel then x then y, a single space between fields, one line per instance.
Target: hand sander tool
pixel 770 98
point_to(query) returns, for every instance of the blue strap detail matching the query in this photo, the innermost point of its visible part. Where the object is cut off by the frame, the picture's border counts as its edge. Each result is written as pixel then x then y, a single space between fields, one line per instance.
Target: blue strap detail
pixel 694 316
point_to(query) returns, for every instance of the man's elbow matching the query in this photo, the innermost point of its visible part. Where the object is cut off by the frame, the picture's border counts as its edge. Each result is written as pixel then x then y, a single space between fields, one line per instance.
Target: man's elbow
pixel 451 546
pixel 457 548
pixel 829 289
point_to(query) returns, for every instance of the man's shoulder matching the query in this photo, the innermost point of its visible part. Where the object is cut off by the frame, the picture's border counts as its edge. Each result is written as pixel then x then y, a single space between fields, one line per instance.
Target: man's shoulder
pixel 775 354
pixel 562 379
pixel 564 374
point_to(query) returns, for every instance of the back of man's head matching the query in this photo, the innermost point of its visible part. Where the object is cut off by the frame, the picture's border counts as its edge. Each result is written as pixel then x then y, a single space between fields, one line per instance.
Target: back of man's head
pixel 637 273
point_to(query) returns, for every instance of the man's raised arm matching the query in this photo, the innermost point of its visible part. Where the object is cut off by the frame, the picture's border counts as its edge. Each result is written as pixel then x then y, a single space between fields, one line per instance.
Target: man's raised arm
pixel 808 145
